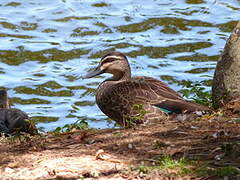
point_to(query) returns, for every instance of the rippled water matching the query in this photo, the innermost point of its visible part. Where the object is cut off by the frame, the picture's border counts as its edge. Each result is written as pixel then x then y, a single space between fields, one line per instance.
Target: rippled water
pixel 46 45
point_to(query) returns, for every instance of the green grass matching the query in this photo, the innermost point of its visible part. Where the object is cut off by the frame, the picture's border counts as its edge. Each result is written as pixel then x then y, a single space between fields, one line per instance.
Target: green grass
pixel 182 167
pixel 168 163
pixel 237 120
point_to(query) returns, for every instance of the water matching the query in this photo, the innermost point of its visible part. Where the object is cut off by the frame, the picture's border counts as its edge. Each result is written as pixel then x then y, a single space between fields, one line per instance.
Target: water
pixel 46 45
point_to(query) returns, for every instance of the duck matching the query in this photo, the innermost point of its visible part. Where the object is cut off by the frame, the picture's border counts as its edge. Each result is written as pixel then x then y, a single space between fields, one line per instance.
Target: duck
pixel 131 100
pixel 13 121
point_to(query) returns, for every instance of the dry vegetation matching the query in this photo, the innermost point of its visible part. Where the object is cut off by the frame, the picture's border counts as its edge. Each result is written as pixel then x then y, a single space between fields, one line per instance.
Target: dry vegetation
pixel 206 148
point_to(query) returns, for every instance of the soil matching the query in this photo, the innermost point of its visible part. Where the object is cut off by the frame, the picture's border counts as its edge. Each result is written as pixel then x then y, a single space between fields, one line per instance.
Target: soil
pixel 112 153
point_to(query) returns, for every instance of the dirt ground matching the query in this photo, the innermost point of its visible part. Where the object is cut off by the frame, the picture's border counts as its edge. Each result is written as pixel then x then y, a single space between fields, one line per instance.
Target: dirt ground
pixel 112 153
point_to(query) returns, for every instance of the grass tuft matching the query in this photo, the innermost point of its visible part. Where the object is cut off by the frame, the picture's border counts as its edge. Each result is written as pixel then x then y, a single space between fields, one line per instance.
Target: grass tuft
pixel 168 163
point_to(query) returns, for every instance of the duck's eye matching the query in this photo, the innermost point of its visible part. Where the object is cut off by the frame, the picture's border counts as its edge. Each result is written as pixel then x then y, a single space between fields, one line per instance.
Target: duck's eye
pixel 108 60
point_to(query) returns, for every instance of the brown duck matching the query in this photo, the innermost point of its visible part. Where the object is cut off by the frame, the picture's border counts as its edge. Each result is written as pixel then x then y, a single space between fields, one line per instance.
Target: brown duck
pixel 13 120
pixel 132 100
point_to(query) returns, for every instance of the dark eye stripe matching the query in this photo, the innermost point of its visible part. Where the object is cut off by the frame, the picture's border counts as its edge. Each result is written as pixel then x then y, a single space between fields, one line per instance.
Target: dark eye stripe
pixel 108 60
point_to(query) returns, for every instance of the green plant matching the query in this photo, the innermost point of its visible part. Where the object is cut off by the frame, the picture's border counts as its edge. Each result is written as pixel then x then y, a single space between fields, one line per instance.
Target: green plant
pixel 179 167
pixel 139 114
pixel 168 163
pixel 182 167
pixel 80 124
pixel 197 92
pixel 236 120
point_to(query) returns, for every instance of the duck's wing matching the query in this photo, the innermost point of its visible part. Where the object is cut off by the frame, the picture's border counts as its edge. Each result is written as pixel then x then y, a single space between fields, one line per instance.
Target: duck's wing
pixel 158 87
pixel 156 93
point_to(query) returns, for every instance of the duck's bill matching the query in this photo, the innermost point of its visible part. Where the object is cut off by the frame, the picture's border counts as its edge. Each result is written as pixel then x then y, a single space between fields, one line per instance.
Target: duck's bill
pixel 93 73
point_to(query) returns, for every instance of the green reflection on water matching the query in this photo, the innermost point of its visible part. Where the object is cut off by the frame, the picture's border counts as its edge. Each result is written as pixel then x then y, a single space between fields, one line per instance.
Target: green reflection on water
pixel 8 25
pixel 29 101
pixel 84 103
pixel 101 4
pixel 227 27
pixel 69 18
pixel 198 58
pixel 160 52
pixel 198 70
pixel 156 52
pixel 13 4
pixel 16 36
pixel 42 91
pixel 17 57
pixel 166 22
pixel 26 26
pixel 44 119
pixel 49 30
pixel 81 31
pixel 195 1
pixel 52 84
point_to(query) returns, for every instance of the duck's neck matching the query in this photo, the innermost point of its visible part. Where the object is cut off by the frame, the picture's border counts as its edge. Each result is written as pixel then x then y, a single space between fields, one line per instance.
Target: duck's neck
pixel 120 76
pixel 4 103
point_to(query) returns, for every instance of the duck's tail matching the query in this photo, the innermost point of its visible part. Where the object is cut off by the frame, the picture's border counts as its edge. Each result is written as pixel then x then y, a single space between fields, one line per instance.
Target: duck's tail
pixel 179 106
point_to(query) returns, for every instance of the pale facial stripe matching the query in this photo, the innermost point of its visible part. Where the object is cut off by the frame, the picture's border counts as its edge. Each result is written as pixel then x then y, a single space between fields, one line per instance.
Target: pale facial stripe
pixel 114 57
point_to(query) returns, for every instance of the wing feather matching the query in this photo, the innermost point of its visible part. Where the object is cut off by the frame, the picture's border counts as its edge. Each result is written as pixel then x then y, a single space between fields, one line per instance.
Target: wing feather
pixel 149 90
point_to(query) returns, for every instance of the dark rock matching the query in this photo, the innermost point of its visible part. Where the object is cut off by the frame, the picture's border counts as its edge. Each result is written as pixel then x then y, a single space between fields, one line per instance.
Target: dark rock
pixel 226 81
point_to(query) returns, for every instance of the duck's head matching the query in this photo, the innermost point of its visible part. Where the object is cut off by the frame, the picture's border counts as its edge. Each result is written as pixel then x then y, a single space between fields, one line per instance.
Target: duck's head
pixel 115 63
pixel 4 103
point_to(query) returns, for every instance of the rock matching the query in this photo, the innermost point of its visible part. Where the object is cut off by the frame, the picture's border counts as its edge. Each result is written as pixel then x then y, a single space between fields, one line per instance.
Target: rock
pixel 130 146
pixel 227 73
pixel 9 170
